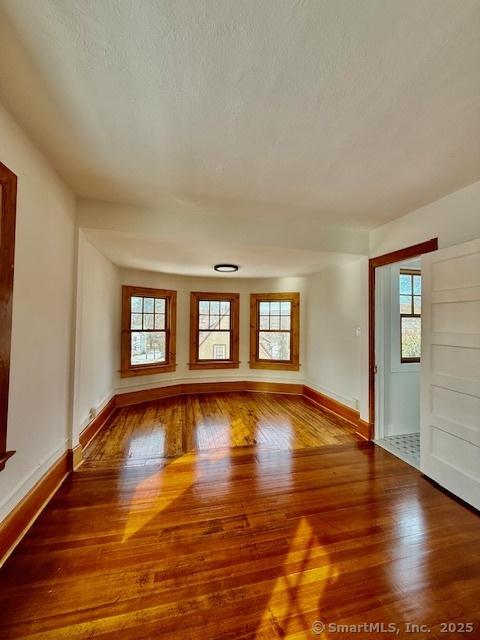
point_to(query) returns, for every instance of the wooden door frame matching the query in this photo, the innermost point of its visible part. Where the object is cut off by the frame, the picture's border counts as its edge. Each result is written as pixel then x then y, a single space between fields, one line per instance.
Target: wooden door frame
pixel 8 183
pixel 400 255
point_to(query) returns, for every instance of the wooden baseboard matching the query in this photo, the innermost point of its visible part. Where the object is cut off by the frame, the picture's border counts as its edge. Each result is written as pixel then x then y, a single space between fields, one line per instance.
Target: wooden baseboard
pixel 76 457
pixel 97 423
pixel 17 523
pixel 365 429
pixel 352 416
pixel 189 388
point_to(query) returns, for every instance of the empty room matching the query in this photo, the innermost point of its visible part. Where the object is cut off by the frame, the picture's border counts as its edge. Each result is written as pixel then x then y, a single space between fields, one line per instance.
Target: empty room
pixel 239 319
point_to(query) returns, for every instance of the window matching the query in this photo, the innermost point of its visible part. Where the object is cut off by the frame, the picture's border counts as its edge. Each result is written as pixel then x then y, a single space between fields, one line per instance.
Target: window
pixel 410 315
pixel 8 204
pixel 148 331
pixel 214 330
pixel 274 331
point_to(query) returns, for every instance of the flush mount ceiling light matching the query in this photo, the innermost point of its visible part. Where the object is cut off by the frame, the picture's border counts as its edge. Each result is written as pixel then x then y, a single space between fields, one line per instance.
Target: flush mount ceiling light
pixel 226 268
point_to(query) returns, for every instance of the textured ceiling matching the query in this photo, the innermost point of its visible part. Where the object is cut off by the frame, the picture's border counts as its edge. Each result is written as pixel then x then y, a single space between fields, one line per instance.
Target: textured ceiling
pixel 342 111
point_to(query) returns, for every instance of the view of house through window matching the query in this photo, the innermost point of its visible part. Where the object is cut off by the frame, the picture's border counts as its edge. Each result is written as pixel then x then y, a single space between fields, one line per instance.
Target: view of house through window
pixel 148 330
pixel 274 337
pixel 410 315
pixel 214 330
pixel 149 341
pixel 275 327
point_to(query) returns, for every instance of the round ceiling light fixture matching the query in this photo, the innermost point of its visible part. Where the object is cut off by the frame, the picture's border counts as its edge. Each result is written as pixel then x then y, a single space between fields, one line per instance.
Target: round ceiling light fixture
pixel 226 268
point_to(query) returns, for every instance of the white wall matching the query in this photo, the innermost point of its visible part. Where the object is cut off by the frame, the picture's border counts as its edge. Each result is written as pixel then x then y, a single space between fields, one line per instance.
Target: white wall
pixel 97 333
pixel 183 286
pixel 453 219
pixel 336 320
pixel 39 413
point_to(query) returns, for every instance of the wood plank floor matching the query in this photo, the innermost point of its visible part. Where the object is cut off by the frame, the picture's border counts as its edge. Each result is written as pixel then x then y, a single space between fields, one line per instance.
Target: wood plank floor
pixel 211 421
pixel 244 542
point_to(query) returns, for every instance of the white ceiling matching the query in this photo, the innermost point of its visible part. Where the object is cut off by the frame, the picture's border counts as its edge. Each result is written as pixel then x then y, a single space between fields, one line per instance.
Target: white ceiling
pixel 174 256
pixel 339 111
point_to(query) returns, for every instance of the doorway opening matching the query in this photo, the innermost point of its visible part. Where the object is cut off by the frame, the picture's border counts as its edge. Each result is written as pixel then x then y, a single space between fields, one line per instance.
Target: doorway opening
pixel 395 350
pixel 398 299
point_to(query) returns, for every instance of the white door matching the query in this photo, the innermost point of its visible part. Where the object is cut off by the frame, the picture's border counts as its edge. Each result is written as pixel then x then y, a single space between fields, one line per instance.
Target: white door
pixel 450 394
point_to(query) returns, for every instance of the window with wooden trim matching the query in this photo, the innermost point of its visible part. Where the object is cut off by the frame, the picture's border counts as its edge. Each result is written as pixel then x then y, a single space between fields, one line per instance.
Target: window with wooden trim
pixel 274 331
pixel 8 206
pixel 410 292
pixel 148 331
pixel 214 330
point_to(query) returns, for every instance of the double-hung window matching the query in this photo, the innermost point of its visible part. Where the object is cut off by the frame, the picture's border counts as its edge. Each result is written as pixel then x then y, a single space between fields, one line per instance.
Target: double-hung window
pixel 410 287
pixel 274 331
pixel 148 331
pixel 214 330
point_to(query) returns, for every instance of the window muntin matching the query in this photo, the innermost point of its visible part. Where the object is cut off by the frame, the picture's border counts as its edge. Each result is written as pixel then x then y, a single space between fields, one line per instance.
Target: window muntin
pixel 410 299
pixel 274 323
pixel 214 330
pixel 148 330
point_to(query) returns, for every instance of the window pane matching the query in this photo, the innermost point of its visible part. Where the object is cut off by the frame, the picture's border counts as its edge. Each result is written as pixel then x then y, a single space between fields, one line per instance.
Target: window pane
pixel 285 323
pixel 148 305
pixel 224 307
pixel 264 308
pixel 214 322
pixel 214 307
pixel 203 322
pixel 275 307
pixel 274 322
pixel 417 304
pixel 225 322
pixel 264 322
pixel 159 305
pixel 136 304
pixel 274 346
pixel 405 283
pixel 285 308
pixel 203 306
pixel 208 339
pixel 219 352
pixel 405 304
pixel 148 320
pixel 136 322
pixel 417 284
pixel 159 321
pixel 148 347
pixel 411 337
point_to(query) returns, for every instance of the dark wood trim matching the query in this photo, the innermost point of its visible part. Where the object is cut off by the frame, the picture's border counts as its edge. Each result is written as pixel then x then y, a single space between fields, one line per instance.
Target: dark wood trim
pixel 91 430
pixel 400 255
pixel 128 370
pixel 17 523
pixel 255 362
pixel 189 388
pixel 233 362
pixel 334 406
pixel 8 212
pixel 352 416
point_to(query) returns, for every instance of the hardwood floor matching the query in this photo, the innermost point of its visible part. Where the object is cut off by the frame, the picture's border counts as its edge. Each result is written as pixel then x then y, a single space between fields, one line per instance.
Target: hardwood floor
pixel 241 542
pixel 175 426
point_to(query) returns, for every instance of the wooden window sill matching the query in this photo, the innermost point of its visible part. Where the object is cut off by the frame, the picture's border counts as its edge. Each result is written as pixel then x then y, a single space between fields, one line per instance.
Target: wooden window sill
pixel 147 371
pixel 285 366
pixel 214 365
